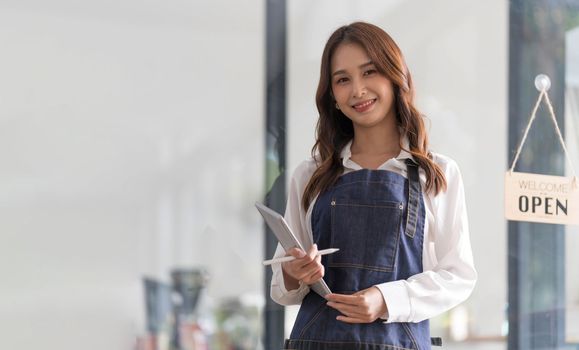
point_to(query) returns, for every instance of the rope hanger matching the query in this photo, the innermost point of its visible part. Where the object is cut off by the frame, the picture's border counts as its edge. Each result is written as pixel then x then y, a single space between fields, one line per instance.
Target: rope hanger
pixel 543 83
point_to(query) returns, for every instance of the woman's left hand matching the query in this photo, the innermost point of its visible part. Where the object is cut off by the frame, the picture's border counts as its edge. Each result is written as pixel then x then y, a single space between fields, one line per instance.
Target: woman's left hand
pixel 365 306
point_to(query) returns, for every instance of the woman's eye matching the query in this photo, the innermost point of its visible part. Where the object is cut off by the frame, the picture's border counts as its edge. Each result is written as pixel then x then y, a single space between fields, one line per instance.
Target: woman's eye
pixel 341 80
pixel 369 72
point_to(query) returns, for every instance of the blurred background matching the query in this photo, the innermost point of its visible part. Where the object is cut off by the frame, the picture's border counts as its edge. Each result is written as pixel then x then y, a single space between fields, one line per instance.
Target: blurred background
pixel 136 136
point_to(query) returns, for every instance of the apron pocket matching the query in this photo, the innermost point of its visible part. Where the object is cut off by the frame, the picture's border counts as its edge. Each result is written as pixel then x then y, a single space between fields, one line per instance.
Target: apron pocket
pixel 367 233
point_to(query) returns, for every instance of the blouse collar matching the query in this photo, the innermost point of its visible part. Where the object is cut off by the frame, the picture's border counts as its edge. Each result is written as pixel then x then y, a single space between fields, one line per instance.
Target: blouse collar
pixel 346 155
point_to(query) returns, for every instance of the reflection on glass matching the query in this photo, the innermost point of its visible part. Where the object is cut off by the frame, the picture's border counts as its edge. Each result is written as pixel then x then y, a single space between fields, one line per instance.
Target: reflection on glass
pixel 572 141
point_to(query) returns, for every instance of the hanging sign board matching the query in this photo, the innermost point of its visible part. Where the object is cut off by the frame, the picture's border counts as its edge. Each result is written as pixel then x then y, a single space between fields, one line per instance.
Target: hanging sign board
pixel 536 197
pixel 541 198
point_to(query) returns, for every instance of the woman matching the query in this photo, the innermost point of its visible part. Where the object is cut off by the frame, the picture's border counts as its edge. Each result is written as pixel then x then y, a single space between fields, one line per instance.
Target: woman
pixel 374 190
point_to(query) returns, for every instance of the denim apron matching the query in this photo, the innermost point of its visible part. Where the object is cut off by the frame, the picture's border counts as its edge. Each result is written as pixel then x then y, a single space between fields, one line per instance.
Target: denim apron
pixel 376 218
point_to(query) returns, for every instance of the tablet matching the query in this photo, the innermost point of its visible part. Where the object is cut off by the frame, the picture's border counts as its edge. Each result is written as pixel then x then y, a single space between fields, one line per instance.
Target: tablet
pixel 279 227
pixel 288 240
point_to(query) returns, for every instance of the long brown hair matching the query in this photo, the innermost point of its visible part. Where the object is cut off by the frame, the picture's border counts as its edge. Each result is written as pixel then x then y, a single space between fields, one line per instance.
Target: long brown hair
pixel 334 130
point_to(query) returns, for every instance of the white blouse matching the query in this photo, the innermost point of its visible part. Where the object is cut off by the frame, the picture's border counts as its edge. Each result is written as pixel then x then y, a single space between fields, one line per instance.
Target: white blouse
pixel 448 275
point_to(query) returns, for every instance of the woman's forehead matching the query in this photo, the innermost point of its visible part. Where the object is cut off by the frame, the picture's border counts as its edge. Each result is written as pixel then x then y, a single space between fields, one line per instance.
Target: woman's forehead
pixel 349 56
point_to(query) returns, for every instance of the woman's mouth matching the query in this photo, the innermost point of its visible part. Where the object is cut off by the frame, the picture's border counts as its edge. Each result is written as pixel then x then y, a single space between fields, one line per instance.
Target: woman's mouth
pixel 364 106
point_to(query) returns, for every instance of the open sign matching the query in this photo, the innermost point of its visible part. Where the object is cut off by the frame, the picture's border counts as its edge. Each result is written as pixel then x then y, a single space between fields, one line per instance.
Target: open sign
pixel 541 198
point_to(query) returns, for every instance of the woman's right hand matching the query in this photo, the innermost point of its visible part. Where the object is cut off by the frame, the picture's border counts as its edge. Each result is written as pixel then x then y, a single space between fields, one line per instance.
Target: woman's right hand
pixel 307 268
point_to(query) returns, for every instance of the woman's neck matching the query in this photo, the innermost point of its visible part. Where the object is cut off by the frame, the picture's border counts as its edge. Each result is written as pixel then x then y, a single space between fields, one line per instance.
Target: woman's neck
pixel 377 140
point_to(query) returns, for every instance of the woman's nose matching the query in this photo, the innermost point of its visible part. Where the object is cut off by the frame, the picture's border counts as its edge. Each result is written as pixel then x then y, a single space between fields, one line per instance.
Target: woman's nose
pixel 358 88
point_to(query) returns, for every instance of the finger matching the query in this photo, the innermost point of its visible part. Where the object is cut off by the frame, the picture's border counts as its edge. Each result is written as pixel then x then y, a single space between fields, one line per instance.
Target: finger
pixel 291 271
pixel 312 279
pixel 344 298
pixel 312 265
pixel 347 310
pixel 318 259
pixel 305 265
pixel 313 251
pixel 306 272
pixel 296 269
pixel 348 319
pixel 316 275
pixel 299 263
pixel 296 253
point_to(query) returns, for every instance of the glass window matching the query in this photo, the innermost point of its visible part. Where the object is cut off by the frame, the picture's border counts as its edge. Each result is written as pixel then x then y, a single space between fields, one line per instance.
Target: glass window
pixel 572 141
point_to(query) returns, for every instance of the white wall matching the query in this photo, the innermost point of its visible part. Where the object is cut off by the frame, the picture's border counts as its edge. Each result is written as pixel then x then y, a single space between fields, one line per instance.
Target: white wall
pixel 130 143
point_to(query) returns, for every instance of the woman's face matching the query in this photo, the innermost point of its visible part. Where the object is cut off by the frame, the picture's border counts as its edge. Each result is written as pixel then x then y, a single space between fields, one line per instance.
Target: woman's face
pixel 363 94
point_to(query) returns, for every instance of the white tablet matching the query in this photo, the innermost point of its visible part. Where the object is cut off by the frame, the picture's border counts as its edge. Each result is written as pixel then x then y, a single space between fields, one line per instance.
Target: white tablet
pixel 288 240
pixel 280 228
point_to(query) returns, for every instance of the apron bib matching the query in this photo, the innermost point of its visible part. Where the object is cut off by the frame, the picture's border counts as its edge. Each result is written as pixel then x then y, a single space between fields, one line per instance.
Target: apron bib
pixel 376 218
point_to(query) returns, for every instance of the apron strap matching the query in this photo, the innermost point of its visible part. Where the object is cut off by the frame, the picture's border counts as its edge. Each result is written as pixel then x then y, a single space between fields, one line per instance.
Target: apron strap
pixel 414 193
pixel 436 341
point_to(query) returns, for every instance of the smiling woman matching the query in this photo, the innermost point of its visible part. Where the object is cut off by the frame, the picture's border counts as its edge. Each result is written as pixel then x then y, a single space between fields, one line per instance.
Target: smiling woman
pixel 352 52
pixel 359 90
pixel 374 190
pixel 366 97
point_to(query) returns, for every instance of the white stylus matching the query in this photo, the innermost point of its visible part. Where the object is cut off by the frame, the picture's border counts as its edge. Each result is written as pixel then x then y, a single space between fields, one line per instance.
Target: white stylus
pixel 290 258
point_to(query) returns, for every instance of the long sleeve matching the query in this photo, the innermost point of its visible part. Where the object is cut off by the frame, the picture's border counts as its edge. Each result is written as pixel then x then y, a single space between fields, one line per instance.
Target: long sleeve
pixel 452 276
pixel 296 219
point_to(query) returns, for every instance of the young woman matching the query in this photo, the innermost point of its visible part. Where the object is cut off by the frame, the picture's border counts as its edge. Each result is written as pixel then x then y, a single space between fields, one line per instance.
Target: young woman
pixel 374 190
